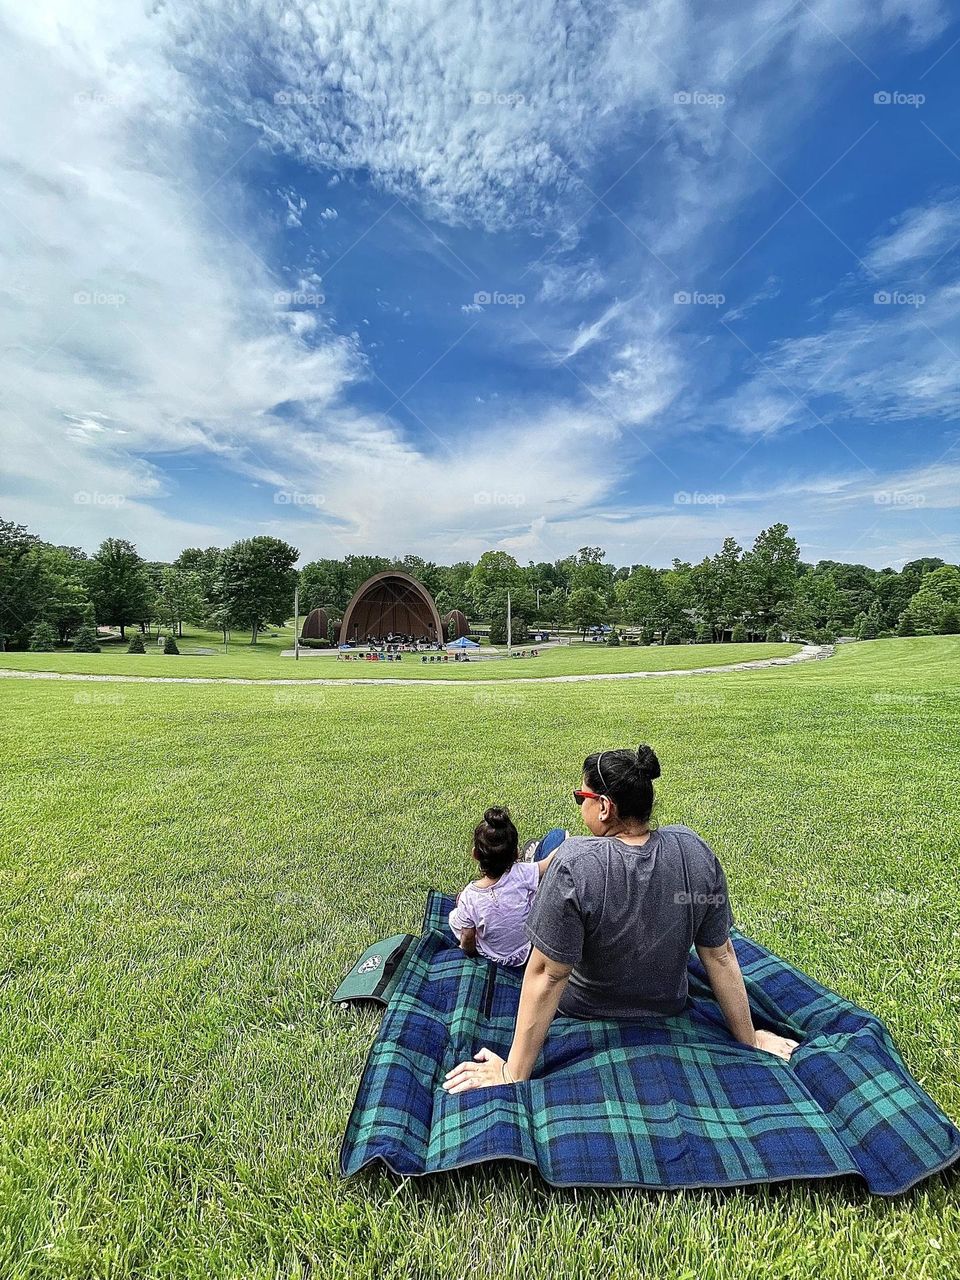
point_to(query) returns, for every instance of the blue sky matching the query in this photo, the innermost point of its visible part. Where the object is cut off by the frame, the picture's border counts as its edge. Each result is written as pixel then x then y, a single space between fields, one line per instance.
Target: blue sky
pixel 439 278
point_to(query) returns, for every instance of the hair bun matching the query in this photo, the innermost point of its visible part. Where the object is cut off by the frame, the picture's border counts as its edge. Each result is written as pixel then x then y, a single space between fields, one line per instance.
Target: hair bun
pixel 647 761
pixel 497 816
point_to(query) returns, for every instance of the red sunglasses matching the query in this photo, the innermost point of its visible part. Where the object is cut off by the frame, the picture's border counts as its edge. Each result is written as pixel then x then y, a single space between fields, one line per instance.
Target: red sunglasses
pixel 580 796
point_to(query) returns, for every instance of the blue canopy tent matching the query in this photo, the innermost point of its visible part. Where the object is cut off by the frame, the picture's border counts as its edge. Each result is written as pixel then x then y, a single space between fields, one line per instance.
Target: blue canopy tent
pixel 462 643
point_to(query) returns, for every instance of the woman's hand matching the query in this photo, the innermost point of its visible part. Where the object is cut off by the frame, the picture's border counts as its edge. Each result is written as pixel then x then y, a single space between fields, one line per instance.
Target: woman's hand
pixel 772 1043
pixel 484 1072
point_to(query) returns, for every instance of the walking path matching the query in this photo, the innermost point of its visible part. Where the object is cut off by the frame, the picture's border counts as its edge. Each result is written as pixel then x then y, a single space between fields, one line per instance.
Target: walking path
pixel 809 653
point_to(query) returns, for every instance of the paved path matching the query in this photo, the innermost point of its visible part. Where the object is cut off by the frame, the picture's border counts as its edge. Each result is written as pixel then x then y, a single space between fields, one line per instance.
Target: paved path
pixel 809 653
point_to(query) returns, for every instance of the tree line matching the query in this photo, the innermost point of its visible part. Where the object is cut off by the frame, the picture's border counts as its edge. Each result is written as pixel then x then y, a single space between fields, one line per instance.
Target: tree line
pixel 57 594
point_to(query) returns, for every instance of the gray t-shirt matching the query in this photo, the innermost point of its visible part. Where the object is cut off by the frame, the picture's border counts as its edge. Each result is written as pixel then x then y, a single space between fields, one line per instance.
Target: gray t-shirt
pixel 625 916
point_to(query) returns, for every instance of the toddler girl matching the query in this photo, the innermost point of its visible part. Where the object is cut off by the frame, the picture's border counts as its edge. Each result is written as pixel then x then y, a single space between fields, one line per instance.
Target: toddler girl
pixel 491 912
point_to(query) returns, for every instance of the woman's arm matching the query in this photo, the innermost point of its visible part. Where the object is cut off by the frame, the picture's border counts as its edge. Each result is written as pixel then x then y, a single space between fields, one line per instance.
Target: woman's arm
pixel 543 985
pixel 544 863
pixel 726 982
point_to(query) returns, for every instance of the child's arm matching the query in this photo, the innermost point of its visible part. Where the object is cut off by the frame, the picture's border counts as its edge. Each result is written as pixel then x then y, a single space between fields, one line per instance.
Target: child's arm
pixel 544 863
pixel 468 941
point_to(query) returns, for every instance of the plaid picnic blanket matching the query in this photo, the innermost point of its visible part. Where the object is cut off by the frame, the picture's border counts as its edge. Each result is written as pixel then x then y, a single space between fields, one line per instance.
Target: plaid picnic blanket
pixel 672 1102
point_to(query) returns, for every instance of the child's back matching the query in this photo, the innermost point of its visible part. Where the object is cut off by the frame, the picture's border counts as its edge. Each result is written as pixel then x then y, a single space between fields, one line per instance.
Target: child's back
pixel 491 913
pixel 498 913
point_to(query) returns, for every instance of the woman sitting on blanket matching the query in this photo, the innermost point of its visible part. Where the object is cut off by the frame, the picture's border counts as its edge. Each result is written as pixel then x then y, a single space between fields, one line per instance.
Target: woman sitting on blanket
pixel 491 913
pixel 613 921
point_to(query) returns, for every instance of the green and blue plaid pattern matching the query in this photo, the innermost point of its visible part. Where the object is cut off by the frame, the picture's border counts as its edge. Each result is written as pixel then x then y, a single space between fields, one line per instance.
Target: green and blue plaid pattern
pixel 663 1103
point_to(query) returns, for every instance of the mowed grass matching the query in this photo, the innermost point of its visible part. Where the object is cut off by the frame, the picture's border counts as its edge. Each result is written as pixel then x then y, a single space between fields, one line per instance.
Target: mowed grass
pixel 187 871
pixel 263 661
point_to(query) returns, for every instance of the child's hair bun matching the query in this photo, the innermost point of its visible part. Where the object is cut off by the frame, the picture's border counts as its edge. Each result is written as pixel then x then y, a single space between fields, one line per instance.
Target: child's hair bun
pixel 497 816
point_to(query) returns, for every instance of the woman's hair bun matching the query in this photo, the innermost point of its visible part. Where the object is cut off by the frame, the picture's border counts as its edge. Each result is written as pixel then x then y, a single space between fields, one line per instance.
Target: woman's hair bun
pixel 647 761
pixel 497 816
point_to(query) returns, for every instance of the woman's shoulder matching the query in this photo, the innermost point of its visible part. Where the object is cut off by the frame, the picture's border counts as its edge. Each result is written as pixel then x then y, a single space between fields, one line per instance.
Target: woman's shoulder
pixel 691 841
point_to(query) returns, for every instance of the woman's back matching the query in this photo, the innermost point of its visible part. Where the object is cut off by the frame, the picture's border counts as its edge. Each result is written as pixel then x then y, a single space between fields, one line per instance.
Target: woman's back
pixel 625 916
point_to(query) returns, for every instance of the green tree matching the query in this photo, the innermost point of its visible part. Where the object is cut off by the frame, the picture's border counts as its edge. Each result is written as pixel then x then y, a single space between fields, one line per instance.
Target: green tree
pixel 203 565
pixel 85 641
pixel 865 627
pixel 21 595
pixel 642 597
pixel 770 573
pixel 323 585
pixel 728 567
pixel 939 591
pixel 255 583
pixel 119 584
pixel 492 575
pixel 180 598
pixel 43 639
pixel 739 634
pixel 585 609
pixel 170 643
pixel 136 644
pixel 522 608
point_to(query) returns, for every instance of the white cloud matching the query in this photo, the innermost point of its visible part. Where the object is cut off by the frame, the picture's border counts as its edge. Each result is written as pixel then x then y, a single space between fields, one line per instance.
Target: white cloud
pixel 181 345
pixel 920 234
pixel 477 110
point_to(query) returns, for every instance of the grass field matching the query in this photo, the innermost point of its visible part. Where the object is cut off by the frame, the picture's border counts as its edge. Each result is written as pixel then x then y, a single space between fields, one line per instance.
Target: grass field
pixel 263 661
pixel 186 872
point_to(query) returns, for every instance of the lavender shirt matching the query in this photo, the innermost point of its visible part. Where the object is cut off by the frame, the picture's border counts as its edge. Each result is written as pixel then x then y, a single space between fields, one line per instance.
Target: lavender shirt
pixel 499 914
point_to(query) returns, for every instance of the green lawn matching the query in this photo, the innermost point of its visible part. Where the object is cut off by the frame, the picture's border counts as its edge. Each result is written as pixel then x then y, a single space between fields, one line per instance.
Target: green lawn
pixel 186 872
pixel 263 661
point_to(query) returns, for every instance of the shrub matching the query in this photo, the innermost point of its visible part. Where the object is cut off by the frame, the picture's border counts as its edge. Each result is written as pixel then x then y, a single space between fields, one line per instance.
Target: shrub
pixel 672 637
pixel 774 635
pixel 613 639
pixel 170 645
pixel 314 642
pixel 950 622
pixel 867 627
pixel 906 627
pixel 136 643
pixel 43 639
pixel 646 635
pixel 739 634
pixel 85 641
pixel 704 633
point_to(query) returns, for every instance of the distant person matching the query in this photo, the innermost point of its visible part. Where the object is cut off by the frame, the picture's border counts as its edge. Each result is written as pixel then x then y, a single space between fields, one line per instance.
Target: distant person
pixel 491 913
